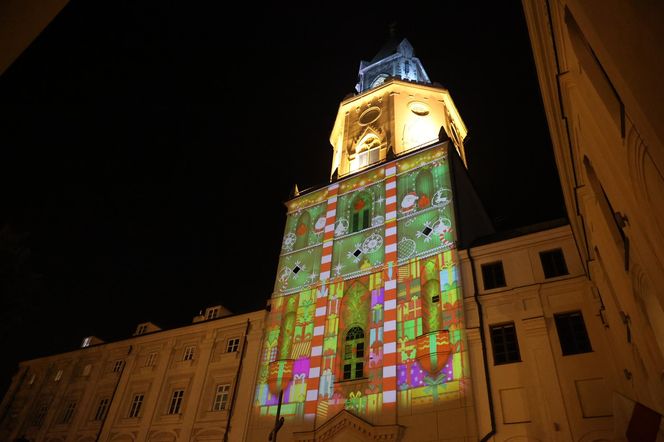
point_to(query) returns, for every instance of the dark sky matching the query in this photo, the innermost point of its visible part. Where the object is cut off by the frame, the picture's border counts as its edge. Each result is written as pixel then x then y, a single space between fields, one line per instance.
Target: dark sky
pixel 148 147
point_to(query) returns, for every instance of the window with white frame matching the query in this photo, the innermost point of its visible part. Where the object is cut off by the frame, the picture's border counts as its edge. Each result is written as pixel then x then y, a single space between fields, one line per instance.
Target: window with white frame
pixel 176 402
pixel 136 403
pixel 32 379
pixel 141 329
pixel 151 360
pixel 117 366
pixel 212 313
pixel 221 397
pixel 232 345
pixel 87 369
pixel 188 353
pixel 58 376
pixel 86 342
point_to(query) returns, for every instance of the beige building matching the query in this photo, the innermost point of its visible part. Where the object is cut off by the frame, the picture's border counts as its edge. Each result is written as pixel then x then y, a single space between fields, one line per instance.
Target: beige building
pixel 188 383
pixel 600 69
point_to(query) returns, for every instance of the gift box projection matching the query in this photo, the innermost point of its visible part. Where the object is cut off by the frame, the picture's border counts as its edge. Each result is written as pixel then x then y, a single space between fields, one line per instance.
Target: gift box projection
pixel 367 310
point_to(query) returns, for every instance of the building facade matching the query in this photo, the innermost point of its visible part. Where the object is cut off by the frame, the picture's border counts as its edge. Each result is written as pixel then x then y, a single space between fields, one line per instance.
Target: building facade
pixel 600 66
pixel 397 315
pixel 172 385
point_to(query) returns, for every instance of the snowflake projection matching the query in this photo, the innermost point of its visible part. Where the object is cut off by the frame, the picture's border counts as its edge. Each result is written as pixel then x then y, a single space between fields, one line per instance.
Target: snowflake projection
pixel 312 277
pixel 338 268
pixel 297 268
pixel 289 241
pixel 441 198
pixel 380 200
pixel 356 253
pixel 425 232
pixel 341 227
pixel 406 248
pixel 372 243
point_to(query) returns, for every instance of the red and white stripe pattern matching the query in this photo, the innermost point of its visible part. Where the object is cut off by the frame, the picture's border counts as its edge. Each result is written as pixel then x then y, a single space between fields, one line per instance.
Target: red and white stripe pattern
pixel 390 279
pixel 321 305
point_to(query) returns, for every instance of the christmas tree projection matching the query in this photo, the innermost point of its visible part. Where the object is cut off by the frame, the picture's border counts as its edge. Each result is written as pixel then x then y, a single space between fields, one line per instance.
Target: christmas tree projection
pixel 367 311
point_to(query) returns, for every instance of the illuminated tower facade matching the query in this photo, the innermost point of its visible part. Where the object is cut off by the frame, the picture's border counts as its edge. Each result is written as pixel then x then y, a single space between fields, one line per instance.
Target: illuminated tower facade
pixel 366 322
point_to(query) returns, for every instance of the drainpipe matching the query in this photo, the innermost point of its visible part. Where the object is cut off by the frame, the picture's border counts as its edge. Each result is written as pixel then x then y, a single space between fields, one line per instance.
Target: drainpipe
pixel 237 382
pixel 480 314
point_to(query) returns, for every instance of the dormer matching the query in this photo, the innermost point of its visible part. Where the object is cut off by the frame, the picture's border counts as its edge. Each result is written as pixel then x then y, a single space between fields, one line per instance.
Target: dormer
pixel 146 327
pixel 213 312
pixel 89 341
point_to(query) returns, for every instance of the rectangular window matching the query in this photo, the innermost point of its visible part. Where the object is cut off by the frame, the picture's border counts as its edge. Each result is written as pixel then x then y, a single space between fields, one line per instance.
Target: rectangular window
pixel 176 402
pixel 493 275
pixel 68 412
pixel 117 366
pixel 86 342
pixel 572 333
pixel 233 345
pixel 136 403
pixel 359 350
pixel 553 263
pixel 40 414
pixel 102 408
pixel 347 371
pixel 151 359
pixel 188 353
pixel 221 397
pixel 141 329
pixel 58 376
pixel 87 370
pixel 359 370
pixel 212 313
pixel 505 344
pixel 32 379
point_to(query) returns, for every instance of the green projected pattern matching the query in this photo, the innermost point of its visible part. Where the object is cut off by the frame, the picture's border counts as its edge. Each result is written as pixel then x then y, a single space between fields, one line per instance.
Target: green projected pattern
pixel 328 343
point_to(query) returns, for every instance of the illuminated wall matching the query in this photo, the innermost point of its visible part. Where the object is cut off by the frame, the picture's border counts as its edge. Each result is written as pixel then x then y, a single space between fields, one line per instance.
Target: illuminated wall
pixel 367 309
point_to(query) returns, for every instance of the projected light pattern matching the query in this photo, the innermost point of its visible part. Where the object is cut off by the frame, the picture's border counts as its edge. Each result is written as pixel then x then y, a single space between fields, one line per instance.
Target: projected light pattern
pixel 369 298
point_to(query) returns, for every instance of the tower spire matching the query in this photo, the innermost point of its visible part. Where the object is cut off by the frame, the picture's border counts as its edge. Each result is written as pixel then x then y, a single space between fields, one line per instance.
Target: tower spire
pixel 395 59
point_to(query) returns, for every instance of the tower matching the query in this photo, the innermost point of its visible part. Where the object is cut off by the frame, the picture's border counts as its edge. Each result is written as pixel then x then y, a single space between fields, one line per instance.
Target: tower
pixel 366 329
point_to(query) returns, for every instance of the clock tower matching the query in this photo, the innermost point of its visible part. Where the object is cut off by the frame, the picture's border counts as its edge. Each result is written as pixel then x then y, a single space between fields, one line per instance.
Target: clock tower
pixel 365 335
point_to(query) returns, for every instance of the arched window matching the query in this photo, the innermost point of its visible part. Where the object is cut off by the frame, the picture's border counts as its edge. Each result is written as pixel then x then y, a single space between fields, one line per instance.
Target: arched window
pixel 354 354
pixel 360 212
pixel 367 152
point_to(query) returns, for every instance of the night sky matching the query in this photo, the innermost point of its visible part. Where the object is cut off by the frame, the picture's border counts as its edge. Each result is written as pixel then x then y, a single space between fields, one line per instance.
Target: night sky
pixel 148 148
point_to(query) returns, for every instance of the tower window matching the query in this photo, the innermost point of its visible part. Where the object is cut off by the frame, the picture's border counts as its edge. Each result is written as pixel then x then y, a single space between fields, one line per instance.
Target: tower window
pixel 493 275
pixel 367 152
pixel 553 263
pixel 572 333
pixel 353 360
pixel 505 344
